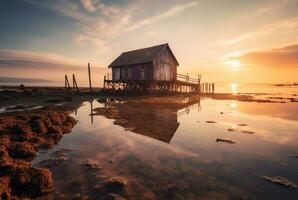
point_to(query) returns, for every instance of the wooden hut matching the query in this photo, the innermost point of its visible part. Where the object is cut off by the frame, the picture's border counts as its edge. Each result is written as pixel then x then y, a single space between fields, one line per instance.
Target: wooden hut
pixel 156 63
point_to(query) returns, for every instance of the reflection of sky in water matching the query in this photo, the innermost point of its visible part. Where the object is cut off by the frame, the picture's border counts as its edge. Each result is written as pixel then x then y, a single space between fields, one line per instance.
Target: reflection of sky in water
pixel 193 165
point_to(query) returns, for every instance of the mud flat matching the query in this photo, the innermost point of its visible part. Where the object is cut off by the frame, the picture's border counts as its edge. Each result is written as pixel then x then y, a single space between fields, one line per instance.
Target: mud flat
pixel 21 136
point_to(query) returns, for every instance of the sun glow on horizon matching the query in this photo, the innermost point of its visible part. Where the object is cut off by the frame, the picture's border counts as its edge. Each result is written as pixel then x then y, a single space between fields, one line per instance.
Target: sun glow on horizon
pixel 234 87
pixel 234 64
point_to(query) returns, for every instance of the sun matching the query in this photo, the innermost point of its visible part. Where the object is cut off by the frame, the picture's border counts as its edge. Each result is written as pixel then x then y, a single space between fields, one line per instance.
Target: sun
pixel 235 64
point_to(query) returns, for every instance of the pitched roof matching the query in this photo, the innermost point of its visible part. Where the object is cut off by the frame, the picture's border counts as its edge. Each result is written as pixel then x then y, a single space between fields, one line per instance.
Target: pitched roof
pixel 139 56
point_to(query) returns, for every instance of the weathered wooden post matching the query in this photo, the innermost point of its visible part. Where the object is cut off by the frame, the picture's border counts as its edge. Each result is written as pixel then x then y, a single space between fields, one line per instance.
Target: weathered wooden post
pixel 67 85
pixel 91 110
pixel 209 88
pixel 74 83
pixel 199 83
pixel 104 82
pixel 89 74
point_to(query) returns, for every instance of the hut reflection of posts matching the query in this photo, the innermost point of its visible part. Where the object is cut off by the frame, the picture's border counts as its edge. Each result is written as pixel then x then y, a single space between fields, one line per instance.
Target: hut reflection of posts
pixel 89 75
pixel 91 110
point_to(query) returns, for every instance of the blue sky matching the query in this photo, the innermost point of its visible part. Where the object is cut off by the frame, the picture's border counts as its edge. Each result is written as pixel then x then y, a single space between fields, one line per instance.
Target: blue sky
pixel 60 36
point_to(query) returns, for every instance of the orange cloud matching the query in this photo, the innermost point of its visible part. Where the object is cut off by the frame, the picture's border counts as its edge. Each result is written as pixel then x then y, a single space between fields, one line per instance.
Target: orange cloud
pixel 281 57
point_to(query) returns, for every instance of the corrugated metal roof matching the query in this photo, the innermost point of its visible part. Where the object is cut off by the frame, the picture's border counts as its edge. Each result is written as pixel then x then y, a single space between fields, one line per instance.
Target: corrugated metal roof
pixel 138 56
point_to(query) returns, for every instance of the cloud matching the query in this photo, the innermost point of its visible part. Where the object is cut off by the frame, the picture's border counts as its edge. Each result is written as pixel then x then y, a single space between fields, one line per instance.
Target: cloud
pixel 53 67
pixel 264 10
pixel 100 22
pixel 32 60
pixel 91 5
pixel 169 13
pixel 279 27
pixel 282 57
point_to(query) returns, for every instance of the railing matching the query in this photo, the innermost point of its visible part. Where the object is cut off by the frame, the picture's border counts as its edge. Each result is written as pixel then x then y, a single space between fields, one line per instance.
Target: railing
pixel 180 77
pixel 188 79
pixel 108 76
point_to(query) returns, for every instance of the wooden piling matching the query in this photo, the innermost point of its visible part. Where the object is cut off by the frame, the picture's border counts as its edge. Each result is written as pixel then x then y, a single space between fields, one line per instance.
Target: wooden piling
pixel 104 82
pixel 89 74
pixel 67 85
pixel 74 83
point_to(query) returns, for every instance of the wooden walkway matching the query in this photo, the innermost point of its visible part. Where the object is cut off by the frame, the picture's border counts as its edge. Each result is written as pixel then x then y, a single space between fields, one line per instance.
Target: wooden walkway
pixel 182 84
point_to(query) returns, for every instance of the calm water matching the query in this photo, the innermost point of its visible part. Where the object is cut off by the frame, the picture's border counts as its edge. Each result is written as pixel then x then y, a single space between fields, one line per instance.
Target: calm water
pixel 220 87
pixel 187 163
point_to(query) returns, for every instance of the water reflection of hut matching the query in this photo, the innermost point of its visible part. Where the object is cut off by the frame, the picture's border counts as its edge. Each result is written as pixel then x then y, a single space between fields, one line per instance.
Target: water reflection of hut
pixel 156 121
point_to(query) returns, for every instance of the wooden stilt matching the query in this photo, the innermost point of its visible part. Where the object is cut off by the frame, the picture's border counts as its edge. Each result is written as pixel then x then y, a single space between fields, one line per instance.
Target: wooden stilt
pixel 67 85
pixel 74 84
pixel 89 74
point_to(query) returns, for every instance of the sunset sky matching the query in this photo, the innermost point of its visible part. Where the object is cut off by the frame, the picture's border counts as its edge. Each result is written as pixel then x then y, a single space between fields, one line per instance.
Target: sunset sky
pixel 243 41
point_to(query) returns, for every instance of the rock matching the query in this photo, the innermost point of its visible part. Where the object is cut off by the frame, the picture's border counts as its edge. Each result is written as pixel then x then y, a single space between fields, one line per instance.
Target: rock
pixel 22 87
pixel 1 130
pixel 22 150
pixel 55 119
pixel 91 164
pixel 211 122
pixel 6 163
pixel 231 129
pixel 20 138
pixel 4 140
pixel 225 140
pixel 20 129
pixel 120 122
pixel 248 132
pixel 4 187
pixel 55 130
pixel 109 112
pixel 242 124
pixel 38 126
pixel 80 197
pixel 32 182
pixel 281 181
pixel 115 185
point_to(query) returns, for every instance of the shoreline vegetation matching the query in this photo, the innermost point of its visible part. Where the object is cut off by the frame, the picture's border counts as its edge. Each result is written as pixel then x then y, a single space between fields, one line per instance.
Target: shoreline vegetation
pixel 21 136
pixel 34 118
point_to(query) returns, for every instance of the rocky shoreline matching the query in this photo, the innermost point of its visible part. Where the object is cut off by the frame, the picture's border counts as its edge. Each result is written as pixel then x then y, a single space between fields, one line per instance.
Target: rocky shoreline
pixel 21 136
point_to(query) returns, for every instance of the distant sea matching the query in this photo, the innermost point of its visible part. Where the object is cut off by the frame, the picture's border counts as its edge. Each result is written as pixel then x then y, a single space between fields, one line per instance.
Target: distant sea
pixel 220 87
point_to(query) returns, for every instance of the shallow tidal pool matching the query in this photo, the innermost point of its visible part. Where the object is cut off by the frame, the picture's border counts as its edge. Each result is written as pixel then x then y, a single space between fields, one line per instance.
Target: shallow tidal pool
pixel 170 153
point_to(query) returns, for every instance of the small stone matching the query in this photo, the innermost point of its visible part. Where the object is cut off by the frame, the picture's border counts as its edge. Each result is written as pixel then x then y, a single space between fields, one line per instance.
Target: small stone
pixel 248 132
pixel 225 140
pixel 210 122
pixel 242 124
pixel 281 181
pixel 113 185
pixel 91 164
